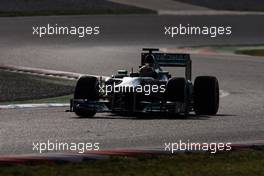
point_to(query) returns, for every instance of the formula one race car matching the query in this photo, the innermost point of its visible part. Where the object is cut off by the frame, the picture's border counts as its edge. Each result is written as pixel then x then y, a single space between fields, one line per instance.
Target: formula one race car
pixel 150 90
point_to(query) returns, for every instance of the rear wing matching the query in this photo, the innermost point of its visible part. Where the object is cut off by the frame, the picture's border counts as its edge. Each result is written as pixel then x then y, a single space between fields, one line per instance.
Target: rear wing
pixel 170 60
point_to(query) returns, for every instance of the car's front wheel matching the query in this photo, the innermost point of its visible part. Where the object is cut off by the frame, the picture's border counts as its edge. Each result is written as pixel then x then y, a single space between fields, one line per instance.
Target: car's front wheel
pixel 175 90
pixel 206 95
pixel 86 88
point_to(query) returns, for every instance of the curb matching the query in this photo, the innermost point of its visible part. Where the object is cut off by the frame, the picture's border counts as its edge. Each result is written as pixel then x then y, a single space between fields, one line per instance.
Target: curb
pixel 45 72
pixel 100 155
pixel 39 71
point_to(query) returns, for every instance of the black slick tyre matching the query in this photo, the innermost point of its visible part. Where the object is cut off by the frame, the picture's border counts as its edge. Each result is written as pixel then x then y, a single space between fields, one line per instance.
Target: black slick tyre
pixel 206 95
pixel 87 88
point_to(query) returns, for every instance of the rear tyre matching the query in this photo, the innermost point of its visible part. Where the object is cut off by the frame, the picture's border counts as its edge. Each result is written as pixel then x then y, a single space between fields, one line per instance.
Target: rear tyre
pixel 206 95
pixel 87 87
pixel 175 90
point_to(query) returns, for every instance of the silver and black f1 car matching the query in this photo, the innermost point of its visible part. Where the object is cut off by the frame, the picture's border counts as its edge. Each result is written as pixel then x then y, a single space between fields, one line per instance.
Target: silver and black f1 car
pixel 150 90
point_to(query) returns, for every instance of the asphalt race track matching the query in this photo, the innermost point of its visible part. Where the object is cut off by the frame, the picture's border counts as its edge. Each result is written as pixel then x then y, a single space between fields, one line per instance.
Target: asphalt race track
pixel 240 118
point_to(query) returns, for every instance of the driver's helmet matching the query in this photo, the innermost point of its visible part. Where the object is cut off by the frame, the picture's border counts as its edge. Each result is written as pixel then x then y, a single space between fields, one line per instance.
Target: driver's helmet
pixel 148 69
pixel 150 59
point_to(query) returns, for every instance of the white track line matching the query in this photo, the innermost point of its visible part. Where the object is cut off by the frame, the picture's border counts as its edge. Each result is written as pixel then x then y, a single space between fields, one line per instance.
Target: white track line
pixel 44 105
pixel 53 105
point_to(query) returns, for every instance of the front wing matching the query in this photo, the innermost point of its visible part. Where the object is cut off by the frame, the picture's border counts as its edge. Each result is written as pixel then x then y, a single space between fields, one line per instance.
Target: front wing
pixel 149 107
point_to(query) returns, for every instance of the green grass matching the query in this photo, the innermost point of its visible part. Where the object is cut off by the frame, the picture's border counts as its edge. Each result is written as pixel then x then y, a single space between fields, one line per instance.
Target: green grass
pixel 242 163
pixel 241 5
pixel 28 88
pixel 76 12
pixel 257 50
pixel 251 52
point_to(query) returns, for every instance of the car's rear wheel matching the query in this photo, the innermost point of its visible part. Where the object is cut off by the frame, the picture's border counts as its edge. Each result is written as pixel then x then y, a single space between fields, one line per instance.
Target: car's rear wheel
pixel 206 95
pixel 87 88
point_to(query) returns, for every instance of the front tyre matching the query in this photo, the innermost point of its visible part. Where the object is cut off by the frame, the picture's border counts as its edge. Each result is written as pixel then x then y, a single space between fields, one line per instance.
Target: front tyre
pixel 87 88
pixel 175 90
pixel 206 95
